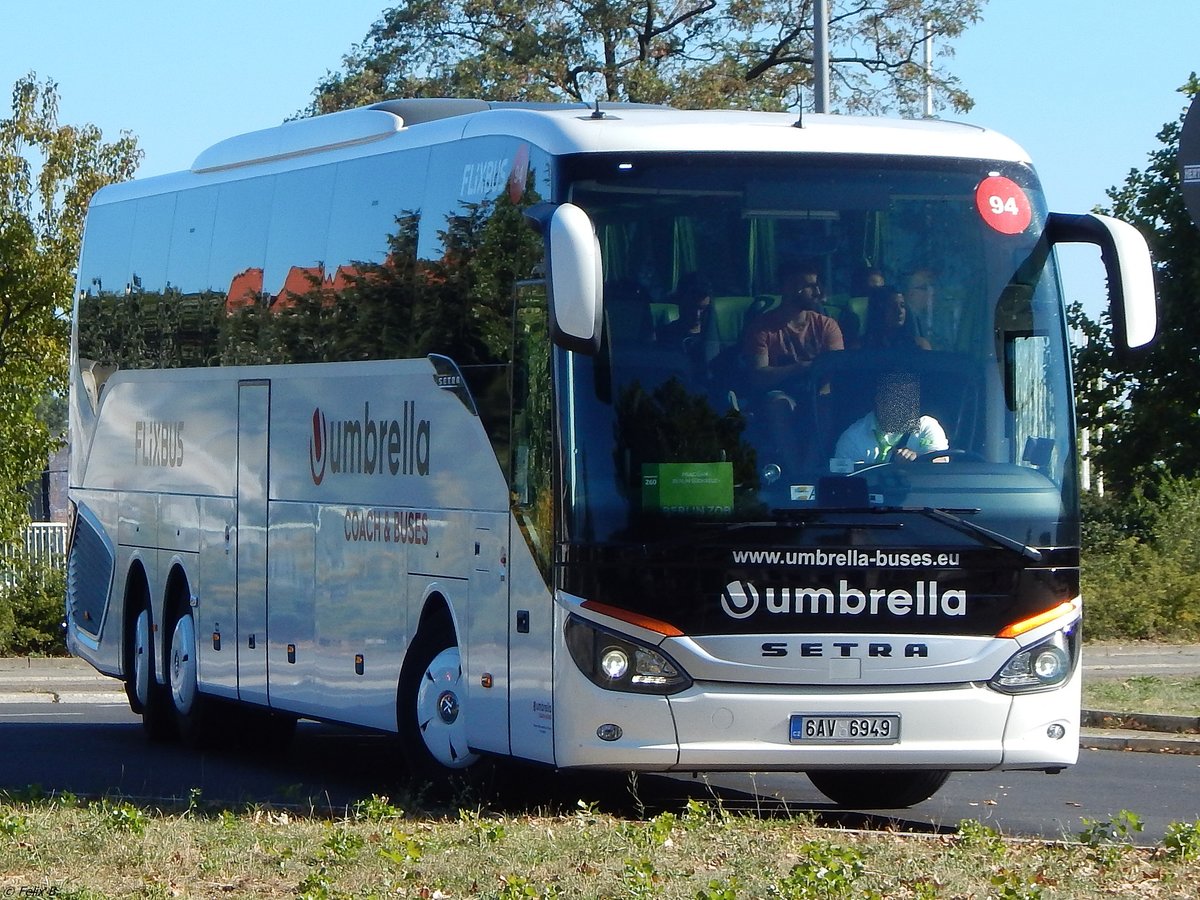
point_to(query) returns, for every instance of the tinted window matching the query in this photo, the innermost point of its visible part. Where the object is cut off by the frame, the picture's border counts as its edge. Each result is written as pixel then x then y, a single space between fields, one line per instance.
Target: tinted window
pixel 296 243
pixel 191 240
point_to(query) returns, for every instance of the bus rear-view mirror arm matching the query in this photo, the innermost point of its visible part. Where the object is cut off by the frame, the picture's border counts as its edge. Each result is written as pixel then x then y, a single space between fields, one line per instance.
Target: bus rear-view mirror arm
pixel 574 279
pixel 1129 270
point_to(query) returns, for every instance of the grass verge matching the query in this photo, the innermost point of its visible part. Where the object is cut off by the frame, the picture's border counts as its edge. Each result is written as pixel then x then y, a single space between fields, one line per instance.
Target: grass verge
pixel 65 848
pixel 1165 695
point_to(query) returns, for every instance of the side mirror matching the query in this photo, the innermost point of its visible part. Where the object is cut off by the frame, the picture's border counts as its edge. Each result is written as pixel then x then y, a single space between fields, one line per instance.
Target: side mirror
pixel 574 276
pixel 1127 264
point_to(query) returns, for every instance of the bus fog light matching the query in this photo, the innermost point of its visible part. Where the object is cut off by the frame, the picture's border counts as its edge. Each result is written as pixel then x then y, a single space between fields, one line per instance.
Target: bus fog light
pixel 1056 732
pixel 609 732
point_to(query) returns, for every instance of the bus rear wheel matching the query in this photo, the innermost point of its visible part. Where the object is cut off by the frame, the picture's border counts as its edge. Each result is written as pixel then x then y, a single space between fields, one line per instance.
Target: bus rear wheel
pixel 878 788
pixel 432 708
pixel 146 696
pixel 139 664
pixel 189 705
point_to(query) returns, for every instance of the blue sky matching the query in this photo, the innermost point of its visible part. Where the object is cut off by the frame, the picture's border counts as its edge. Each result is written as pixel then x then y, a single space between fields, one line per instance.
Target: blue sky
pixel 1084 85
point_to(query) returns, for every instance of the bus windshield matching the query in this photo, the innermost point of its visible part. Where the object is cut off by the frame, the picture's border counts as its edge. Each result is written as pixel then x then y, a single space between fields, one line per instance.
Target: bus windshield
pixel 793 338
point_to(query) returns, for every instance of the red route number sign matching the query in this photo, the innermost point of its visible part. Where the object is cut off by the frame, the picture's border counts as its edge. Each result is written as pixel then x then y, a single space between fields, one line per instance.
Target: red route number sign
pixel 1003 204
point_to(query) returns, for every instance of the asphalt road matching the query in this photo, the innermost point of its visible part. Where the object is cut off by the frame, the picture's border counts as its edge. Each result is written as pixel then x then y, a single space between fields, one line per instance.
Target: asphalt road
pixel 95 749
pixel 63 727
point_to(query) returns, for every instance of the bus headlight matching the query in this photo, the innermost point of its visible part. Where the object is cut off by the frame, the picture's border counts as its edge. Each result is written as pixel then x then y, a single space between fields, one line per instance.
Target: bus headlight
pixel 616 662
pixel 1046 664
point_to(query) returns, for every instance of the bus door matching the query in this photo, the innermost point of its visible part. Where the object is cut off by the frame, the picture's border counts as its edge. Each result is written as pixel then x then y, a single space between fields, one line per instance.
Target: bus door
pixel 254 407
pixel 531 528
pixel 487 635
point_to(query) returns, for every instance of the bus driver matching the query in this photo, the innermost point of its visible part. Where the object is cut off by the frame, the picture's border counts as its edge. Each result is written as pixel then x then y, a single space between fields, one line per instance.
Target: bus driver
pixel 894 430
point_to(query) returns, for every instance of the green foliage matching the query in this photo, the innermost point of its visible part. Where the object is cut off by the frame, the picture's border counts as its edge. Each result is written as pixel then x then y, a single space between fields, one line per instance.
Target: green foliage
pixel 48 172
pixel 343 845
pixel 1119 829
pixel 400 848
pixel 1012 885
pixel 1182 840
pixel 518 887
pixel 719 890
pixel 640 878
pixel 377 809
pixel 827 870
pixel 1109 839
pixel 755 54
pixel 974 835
pixel 13 825
pixel 1141 562
pixel 1143 411
pixel 122 816
pixel 483 831
pixel 31 609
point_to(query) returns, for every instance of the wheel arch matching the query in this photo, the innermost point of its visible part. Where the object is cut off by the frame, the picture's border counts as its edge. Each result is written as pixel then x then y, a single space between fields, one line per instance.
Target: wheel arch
pixel 436 617
pixel 135 596
pixel 178 590
pixel 177 596
pixel 437 613
pixel 434 741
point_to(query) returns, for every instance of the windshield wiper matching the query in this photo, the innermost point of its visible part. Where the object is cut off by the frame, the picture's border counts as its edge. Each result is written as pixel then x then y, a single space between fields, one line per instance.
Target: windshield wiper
pixel 948 517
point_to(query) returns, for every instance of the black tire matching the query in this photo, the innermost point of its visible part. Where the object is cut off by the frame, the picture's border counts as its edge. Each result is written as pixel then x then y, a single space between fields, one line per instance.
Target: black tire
pixel 431 709
pixel 878 788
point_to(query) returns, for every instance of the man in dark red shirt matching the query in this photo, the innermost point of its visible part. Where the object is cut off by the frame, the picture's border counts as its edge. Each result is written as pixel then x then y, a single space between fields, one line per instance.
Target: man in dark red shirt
pixel 780 345
pixel 783 342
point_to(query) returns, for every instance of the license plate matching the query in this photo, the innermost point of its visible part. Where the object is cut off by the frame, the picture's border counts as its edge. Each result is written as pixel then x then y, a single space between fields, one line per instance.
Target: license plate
pixel 845 729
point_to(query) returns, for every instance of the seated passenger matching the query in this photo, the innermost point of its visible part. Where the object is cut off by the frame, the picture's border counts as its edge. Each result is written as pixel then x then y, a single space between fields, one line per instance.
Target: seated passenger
pixel 688 333
pixel 894 430
pixel 783 342
pixel 936 320
pixel 890 325
pixel 779 347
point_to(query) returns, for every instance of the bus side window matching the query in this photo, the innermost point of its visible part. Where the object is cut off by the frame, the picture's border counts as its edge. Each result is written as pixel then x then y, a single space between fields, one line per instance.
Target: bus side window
pixel 532 426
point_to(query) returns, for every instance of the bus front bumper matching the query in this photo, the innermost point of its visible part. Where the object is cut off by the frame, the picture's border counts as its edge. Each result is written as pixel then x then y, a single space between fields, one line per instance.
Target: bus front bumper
pixel 731 727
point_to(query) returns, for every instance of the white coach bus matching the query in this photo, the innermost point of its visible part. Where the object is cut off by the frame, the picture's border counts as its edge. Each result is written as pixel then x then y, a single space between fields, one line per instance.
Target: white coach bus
pixel 464 420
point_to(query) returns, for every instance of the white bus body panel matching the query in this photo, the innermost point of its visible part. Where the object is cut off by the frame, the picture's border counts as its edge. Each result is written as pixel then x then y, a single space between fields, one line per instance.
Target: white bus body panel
pixel 567 131
pixel 326 562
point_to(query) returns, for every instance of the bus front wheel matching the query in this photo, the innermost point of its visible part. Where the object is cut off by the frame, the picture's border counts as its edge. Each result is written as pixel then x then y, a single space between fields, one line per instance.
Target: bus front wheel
pixel 878 788
pixel 432 708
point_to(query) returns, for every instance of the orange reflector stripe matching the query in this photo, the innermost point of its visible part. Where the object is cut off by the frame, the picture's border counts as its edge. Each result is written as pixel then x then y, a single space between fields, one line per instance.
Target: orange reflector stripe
pixel 656 625
pixel 1016 628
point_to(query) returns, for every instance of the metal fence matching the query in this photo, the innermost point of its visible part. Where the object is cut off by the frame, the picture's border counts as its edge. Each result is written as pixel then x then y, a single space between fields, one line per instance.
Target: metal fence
pixel 45 545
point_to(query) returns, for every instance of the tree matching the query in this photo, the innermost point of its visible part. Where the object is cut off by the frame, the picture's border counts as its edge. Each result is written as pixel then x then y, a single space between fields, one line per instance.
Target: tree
pixel 48 172
pixel 690 53
pixel 1147 410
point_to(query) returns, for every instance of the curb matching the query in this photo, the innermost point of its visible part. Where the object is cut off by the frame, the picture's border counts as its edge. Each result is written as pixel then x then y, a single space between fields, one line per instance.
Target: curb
pixel 95 698
pixel 1103 718
pixel 1103 729
pixel 1138 741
